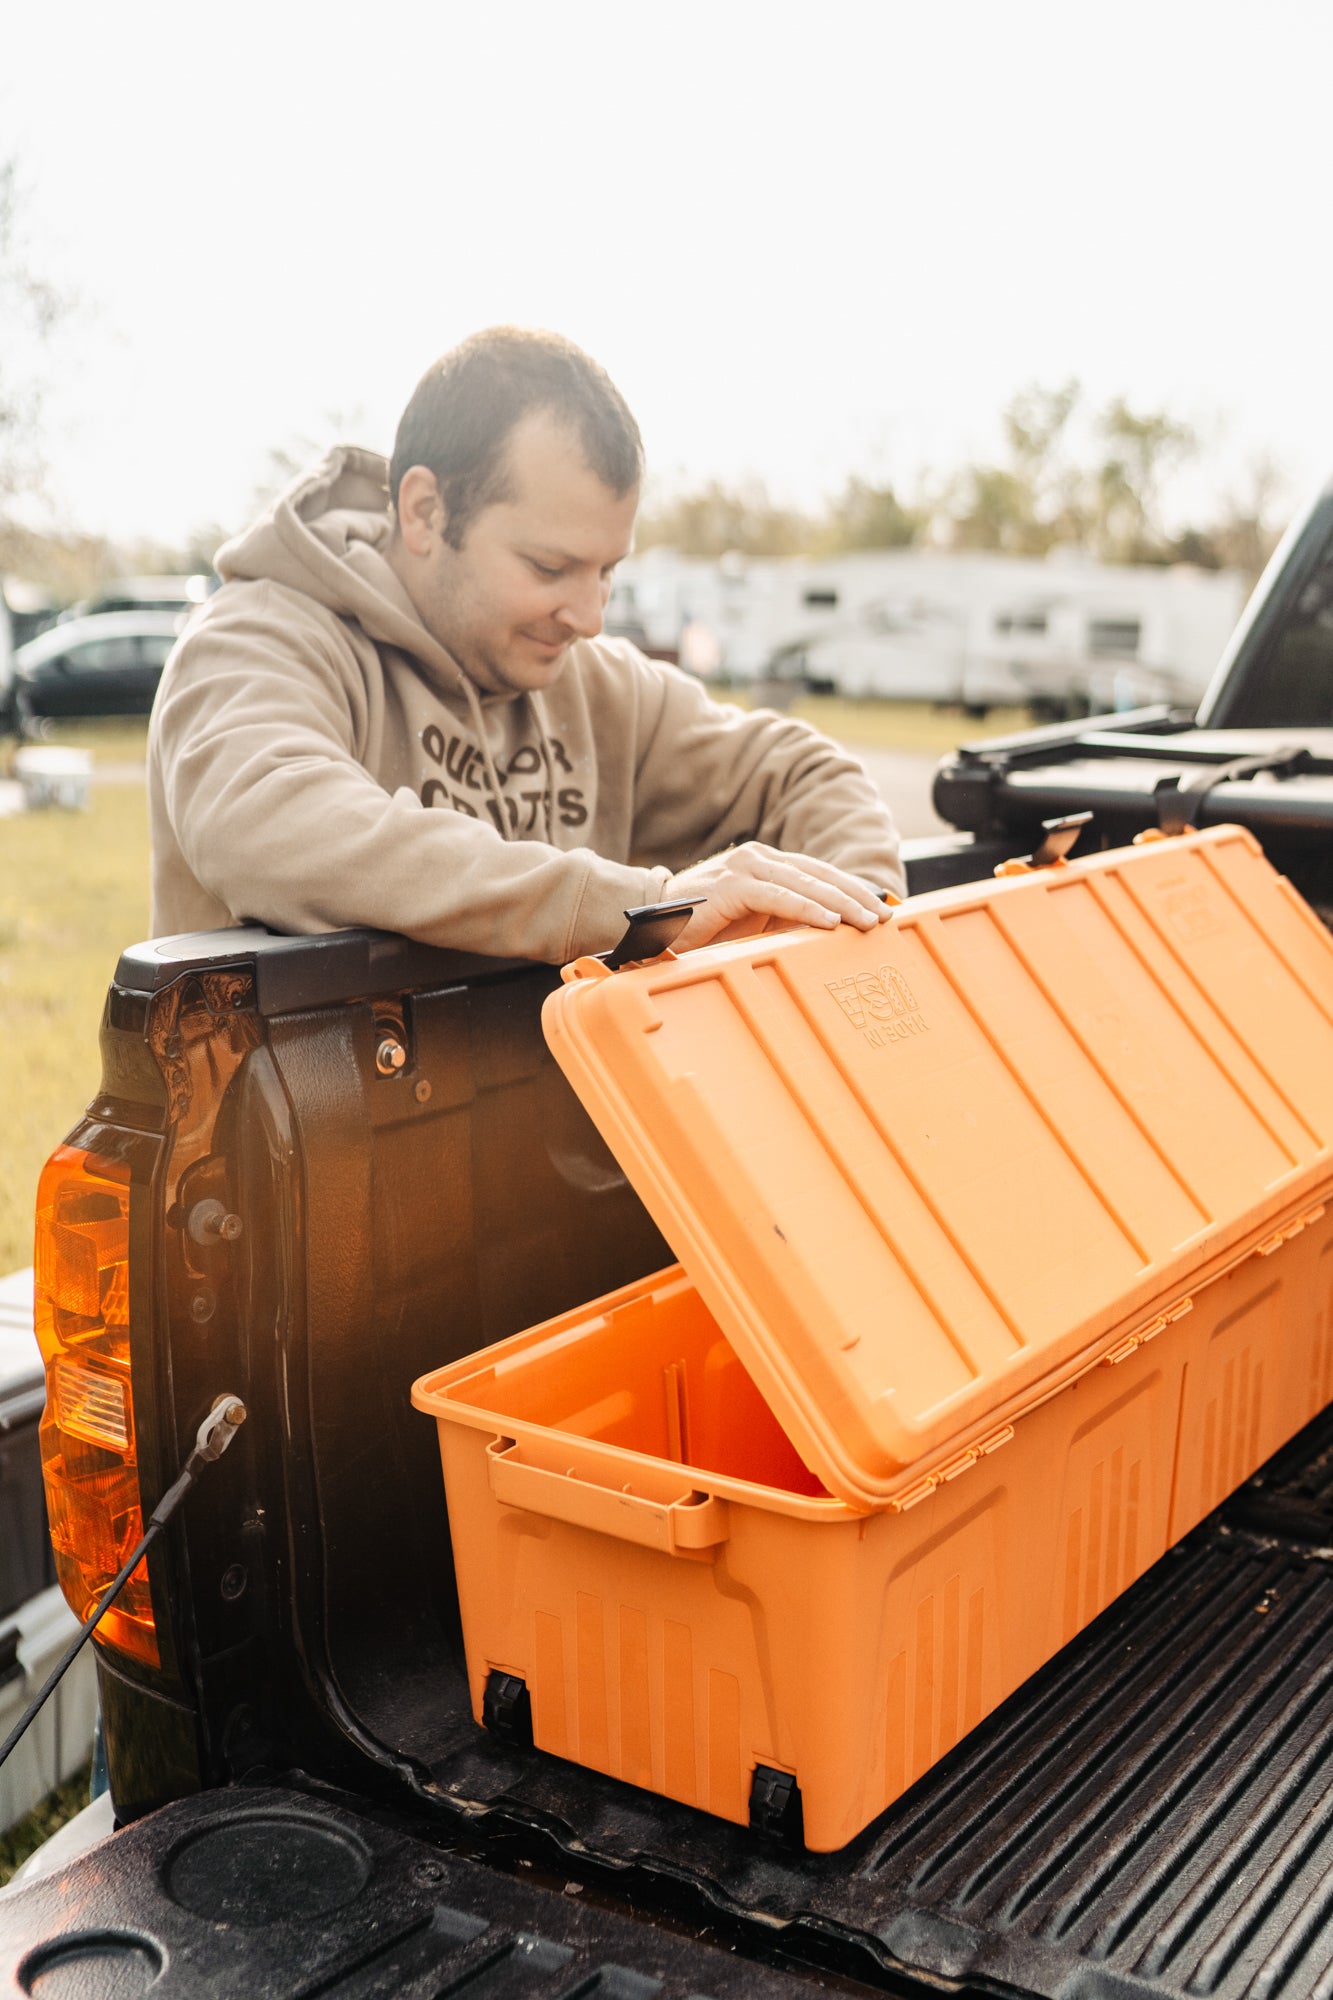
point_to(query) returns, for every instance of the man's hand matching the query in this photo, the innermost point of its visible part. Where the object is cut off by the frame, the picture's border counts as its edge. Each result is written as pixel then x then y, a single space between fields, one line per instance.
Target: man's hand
pixel 753 887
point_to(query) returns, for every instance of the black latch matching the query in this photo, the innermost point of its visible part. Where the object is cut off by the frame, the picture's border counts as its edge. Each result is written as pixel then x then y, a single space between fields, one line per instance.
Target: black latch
pixel 1061 836
pixel 653 929
pixel 506 1710
pixel 775 1807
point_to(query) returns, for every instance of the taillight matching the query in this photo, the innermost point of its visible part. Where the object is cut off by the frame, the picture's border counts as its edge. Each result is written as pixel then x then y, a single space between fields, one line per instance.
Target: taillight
pixel 89 1459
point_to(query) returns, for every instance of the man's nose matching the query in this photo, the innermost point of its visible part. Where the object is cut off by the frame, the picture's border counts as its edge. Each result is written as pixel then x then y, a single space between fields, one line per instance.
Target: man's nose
pixel 583 607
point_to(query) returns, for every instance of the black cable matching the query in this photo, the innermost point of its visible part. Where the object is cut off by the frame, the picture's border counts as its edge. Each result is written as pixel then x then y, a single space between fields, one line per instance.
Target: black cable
pixel 215 1434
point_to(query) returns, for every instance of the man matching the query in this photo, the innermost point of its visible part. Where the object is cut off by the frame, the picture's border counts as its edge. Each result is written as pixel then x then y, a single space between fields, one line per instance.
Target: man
pixel 397 710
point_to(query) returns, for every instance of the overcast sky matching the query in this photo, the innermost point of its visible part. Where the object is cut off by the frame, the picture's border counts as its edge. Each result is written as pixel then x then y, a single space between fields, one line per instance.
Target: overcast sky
pixel 806 239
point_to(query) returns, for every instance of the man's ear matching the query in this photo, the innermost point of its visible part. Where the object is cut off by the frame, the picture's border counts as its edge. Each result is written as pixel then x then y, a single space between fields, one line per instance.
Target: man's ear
pixel 421 510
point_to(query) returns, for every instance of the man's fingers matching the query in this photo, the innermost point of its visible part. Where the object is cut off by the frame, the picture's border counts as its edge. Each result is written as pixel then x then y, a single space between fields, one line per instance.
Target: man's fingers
pixel 832 895
pixel 779 866
pixel 763 897
pixel 760 882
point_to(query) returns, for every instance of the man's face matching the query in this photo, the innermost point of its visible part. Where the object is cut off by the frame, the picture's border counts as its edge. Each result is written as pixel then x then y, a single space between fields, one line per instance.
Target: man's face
pixel 534 571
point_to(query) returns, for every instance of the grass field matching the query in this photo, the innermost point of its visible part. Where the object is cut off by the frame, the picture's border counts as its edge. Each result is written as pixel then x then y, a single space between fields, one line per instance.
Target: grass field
pixel 912 726
pixel 115 740
pixel 73 891
pixel 44 1820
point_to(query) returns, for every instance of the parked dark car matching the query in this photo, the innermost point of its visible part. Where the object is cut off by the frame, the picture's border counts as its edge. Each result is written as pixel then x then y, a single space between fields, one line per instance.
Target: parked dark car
pixel 107 665
pixel 143 593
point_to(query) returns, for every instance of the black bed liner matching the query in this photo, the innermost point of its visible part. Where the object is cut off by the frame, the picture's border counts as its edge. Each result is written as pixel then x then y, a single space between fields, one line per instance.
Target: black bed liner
pixel 1147 1816
pixel 273 1893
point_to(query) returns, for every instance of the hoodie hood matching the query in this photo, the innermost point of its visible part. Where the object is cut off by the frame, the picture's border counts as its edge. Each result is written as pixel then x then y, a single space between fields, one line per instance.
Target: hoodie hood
pixel 326 536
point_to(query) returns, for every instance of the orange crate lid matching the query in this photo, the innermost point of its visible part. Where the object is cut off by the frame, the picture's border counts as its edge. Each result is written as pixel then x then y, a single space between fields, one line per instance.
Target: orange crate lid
pixel 921 1177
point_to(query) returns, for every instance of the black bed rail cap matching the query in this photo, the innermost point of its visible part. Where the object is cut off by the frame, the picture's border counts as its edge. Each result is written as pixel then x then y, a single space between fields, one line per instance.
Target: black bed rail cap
pixel 1048 739
pixel 292 973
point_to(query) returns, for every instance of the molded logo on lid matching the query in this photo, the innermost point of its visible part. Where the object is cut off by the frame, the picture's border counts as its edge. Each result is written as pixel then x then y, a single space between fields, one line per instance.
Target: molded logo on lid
pixel 880 1006
pixel 1189 911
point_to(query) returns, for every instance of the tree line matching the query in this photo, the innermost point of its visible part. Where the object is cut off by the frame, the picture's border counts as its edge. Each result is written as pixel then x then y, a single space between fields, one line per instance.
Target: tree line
pixel 1067 477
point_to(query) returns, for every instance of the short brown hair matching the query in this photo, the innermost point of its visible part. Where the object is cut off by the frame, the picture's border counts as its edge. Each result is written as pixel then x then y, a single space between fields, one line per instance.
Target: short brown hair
pixel 465 406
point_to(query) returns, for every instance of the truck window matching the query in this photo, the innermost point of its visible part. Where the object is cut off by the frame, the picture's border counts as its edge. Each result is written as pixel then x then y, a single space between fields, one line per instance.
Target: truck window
pixel 1290 686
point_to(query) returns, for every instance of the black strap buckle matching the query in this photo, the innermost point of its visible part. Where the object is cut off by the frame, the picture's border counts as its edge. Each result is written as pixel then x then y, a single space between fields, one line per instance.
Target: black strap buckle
pixel 653 929
pixel 1178 802
pixel 1060 836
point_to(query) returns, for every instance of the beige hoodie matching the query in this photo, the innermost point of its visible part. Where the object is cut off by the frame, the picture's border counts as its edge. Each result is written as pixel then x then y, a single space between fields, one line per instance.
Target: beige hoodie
pixel 316 759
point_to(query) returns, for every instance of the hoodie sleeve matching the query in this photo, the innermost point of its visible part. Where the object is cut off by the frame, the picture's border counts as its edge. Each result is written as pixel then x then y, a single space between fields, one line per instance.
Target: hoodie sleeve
pixel 260 802
pixel 710 775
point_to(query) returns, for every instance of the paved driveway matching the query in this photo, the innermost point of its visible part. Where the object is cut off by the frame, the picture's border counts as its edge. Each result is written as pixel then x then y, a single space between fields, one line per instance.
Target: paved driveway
pixel 904 778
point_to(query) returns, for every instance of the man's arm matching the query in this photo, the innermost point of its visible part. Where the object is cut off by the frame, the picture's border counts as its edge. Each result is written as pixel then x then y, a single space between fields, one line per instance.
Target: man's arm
pixel 258 792
pixel 759 812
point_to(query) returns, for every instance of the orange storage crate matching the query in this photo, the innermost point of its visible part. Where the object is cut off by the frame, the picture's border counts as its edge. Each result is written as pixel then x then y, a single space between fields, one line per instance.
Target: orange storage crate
pixel 1005 1259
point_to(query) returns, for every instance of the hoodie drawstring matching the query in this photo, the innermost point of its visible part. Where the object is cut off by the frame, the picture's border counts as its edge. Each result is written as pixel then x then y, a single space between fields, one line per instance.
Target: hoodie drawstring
pixel 488 760
pixel 508 832
pixel 548 762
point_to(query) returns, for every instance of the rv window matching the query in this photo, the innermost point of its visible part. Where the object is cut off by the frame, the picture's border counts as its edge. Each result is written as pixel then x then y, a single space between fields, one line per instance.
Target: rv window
pixel 821 600
pixel 1020 621
pixel 1115 635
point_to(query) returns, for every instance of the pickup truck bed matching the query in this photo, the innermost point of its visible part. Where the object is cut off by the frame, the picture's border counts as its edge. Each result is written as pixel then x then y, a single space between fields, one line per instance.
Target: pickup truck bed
pixel 1147 1816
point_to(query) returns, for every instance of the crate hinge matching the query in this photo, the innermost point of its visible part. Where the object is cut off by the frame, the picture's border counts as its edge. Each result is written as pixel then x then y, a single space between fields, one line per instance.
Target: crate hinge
pixel 951 1469
pixel 1285 1234
pixel 1142 1334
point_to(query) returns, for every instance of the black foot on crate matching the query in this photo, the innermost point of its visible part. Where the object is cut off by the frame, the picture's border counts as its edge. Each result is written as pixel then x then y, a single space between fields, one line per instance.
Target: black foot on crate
pixel 775 1807
pixel 506 1710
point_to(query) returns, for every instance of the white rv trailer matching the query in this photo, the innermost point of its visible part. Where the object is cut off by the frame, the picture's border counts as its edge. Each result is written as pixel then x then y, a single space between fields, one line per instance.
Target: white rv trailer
pixel 930 625
pixel 657 595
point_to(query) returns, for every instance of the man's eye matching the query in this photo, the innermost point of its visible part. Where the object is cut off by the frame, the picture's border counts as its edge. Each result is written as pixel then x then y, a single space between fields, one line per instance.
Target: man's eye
pixel 546 570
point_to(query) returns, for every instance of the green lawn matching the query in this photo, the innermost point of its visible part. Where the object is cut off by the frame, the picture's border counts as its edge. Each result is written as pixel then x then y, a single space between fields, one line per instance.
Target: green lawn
pixel 113 739
pixel 913 726
pixel 44 1820
pixel 906 725
pixel 73 891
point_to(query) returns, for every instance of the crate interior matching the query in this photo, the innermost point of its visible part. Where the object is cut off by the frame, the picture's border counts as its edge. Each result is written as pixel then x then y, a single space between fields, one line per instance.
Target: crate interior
pixel 652 1373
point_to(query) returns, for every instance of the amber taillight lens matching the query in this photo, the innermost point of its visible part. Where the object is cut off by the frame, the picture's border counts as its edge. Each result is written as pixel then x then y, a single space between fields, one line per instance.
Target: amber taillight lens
pixel 89 1459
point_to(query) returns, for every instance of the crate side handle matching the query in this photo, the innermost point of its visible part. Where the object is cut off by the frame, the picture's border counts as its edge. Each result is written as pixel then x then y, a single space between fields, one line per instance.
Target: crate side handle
pixel 685 1525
